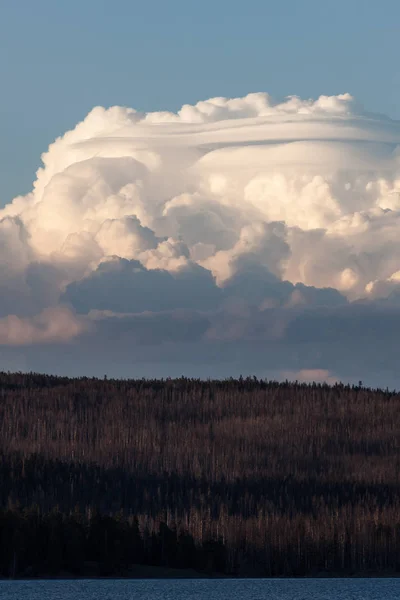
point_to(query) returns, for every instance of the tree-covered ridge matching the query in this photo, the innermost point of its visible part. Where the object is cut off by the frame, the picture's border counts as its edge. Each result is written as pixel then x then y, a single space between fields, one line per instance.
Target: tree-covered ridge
pixel 286 479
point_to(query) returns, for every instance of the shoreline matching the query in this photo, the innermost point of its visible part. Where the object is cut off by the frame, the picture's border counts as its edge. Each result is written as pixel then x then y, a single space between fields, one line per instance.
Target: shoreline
pixel 197 576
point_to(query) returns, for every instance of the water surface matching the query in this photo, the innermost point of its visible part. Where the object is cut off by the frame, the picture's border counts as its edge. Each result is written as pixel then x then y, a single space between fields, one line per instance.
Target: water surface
pixel 203 589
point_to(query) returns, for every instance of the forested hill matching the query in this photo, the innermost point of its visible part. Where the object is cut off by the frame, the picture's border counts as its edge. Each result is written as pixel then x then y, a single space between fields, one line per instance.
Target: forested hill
pixel 242 477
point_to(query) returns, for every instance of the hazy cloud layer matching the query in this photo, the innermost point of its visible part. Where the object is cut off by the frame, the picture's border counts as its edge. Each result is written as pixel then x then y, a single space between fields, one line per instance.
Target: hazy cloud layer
pixel 51 325
pixel 231 221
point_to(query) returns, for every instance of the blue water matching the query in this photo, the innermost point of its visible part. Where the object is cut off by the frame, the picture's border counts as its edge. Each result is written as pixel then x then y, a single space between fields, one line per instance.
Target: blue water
pixel 205 589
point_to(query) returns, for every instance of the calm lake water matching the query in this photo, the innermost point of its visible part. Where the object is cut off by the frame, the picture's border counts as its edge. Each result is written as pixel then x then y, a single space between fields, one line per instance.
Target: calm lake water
pixel 250 589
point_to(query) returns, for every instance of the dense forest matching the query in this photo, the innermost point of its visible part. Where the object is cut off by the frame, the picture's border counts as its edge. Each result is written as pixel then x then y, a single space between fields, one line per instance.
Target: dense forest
pixel 239 477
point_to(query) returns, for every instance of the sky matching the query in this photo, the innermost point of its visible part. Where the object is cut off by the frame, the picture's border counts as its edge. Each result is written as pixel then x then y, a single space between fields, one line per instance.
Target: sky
pixel 59 59
pixel 223 196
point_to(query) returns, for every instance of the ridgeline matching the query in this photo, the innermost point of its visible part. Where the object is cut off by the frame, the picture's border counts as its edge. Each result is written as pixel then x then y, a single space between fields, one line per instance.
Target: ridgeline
pixel 237 477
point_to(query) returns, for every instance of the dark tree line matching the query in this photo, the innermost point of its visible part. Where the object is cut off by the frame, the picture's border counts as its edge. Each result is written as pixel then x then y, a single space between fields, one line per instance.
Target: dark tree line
pixel 36 544
pixel 245 477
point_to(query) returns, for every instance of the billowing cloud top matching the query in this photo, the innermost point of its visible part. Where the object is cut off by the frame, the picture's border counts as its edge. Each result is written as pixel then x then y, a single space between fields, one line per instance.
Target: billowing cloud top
pixel 222 206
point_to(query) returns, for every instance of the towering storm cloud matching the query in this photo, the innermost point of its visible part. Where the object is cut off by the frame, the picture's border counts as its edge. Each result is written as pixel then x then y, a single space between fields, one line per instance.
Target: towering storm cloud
pixel 230 222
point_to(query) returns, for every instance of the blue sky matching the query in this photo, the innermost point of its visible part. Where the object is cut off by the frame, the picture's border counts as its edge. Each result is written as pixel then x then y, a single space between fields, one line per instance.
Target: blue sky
pixel 59 59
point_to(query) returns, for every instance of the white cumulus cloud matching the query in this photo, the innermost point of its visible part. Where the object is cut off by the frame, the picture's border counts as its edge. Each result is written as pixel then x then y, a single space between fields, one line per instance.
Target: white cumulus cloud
pixel 289 204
